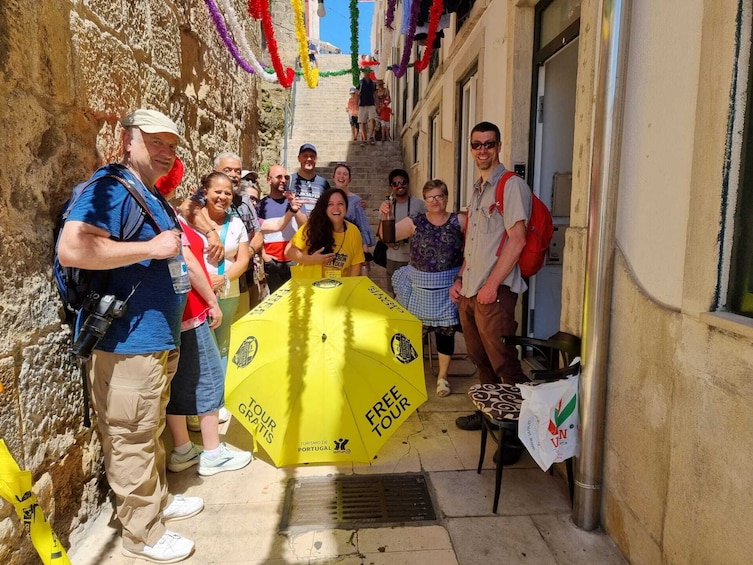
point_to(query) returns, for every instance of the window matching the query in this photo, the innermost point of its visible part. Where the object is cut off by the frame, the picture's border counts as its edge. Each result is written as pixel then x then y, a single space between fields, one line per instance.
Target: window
pixel 467 103
pixel 434 62
pixel 462 9
pixel 740 291
pixel 434 145
pixel 415 148
pixel 404 108
pixel 416 79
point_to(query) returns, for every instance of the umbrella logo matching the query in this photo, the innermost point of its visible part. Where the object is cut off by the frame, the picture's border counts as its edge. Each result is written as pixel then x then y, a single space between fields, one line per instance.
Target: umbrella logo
pixel 327 283
pixel 340 445
pixel 246 352
pixel 402 349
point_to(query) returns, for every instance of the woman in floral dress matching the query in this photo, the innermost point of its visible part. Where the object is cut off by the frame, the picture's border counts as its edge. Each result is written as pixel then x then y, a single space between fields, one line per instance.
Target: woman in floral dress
pixel 436 254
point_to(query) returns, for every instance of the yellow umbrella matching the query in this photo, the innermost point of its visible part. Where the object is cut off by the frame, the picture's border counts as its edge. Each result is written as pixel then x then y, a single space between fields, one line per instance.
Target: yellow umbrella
pixel 15 487
pixel 325 370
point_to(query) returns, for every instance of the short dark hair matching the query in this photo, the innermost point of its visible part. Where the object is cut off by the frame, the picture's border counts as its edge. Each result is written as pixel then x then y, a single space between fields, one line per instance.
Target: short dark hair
pixel 345 166
pixel 487 126
pixel 399 173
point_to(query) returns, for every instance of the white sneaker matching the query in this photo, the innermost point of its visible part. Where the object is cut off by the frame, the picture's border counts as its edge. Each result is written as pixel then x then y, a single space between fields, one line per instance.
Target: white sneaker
pixel 177 462
pixel 225 415
pixel 170 548
pixel 182 507
pixel 229 460
pixel 192 422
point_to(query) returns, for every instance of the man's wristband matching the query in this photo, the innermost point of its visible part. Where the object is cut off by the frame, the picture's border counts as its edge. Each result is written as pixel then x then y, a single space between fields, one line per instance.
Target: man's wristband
pixel 291 209
pixel 210 230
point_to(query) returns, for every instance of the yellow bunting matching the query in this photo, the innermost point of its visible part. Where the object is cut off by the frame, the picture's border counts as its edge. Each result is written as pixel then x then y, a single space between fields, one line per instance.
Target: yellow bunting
pixel 15 487
pixel 311 75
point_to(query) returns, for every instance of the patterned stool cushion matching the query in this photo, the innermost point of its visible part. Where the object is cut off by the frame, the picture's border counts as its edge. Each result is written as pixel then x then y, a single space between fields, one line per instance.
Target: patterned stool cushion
pixel 497 401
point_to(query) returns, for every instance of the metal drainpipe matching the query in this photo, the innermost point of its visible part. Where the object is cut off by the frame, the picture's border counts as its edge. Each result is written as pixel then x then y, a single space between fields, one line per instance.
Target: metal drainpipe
pixel 606 135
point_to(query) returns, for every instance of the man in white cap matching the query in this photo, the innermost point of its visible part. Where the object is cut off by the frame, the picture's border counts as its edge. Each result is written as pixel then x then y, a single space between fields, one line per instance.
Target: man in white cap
pixel 131 366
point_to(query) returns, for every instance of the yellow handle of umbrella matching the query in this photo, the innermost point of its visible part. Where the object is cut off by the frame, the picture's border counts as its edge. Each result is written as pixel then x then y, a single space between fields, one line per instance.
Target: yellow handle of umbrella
pixel 15 487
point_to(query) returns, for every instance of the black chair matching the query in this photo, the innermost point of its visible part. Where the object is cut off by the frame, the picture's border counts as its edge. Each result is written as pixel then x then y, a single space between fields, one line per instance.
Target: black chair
pixel 499 404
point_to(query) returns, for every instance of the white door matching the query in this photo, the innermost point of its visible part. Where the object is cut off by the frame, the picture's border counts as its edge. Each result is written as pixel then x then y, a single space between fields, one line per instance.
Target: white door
pixel 553 158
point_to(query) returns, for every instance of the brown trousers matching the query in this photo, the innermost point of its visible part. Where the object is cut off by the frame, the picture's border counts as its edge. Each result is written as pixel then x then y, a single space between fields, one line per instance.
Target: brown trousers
pixel 483 326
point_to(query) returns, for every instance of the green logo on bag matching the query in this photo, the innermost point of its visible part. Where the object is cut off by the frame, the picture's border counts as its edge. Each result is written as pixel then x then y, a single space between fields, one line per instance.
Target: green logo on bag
pixel 561 414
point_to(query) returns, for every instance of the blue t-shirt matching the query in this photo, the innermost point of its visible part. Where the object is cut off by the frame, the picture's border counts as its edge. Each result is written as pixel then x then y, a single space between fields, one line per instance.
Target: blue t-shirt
pixel 151 322
pixel 308 191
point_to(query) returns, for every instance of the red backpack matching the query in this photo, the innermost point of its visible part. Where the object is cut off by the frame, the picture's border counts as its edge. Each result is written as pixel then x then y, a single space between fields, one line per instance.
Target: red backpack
pixel 538 232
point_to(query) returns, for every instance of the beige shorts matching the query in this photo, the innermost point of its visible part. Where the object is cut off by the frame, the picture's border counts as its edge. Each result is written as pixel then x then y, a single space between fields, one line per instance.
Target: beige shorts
pixel 366 113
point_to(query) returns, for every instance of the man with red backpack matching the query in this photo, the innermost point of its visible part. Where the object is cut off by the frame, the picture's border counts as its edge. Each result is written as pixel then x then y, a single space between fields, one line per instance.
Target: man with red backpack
pixel 487 286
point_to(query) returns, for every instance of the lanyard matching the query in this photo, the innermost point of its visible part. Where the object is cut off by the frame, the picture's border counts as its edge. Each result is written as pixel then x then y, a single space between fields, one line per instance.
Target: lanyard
pixel 223 235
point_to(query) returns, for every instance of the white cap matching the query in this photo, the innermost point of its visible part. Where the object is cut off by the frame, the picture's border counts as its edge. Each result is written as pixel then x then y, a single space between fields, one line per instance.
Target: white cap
pixel 150 121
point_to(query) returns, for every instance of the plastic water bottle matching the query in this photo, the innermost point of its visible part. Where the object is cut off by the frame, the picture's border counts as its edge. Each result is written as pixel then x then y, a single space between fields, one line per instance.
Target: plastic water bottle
pixel 179 274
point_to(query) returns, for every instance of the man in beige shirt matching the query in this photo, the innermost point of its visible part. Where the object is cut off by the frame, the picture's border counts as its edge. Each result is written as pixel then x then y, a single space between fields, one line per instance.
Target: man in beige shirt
pixel 487 287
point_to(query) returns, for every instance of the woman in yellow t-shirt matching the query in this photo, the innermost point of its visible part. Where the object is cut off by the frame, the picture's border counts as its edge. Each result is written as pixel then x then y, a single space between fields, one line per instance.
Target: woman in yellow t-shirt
pixel 327 246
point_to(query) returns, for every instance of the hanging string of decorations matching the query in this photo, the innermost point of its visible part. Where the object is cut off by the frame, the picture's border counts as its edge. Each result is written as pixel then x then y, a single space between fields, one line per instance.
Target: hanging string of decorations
pixel 389 14
pixel 259 10
pixel 354 40
pixel 311 75
pixel 399 71
pixel 435 12
pixel 219 23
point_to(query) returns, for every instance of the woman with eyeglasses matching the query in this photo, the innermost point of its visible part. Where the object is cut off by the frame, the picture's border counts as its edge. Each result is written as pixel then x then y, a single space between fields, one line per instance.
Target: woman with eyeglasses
pixel 435 257
pixel 327 246
pixel 356 214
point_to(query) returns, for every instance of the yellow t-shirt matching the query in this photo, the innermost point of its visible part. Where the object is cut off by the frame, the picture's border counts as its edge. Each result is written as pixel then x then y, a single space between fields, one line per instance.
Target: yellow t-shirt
pixel 348 251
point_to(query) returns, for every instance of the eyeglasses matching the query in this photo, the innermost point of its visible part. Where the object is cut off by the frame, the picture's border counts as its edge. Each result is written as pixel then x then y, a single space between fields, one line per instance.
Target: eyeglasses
pixel 280 177
pixel 435 198
pixel 396 183
pixel 254 198
pixel 476 145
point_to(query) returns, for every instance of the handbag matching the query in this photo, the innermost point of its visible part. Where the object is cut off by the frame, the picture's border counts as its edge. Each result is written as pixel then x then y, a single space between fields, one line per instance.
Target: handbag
pixel 549 422
pixel 380 253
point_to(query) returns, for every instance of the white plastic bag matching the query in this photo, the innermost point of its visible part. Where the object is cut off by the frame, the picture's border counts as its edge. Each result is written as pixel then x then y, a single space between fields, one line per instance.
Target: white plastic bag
pixel 549 424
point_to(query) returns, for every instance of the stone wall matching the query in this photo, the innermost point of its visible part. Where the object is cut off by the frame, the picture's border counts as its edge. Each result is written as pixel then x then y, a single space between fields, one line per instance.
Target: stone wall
pixel 68 71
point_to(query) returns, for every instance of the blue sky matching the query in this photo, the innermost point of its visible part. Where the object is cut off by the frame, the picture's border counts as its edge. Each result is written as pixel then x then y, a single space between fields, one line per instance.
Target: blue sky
pixel 335 26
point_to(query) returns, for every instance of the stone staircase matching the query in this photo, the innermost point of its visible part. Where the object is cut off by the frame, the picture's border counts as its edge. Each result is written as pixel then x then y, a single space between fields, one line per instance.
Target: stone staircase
pixel 319 117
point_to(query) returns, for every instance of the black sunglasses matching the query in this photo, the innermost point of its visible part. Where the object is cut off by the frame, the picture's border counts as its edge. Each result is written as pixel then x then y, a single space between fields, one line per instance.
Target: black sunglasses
pixel 485 144
pixel 280 177
pixel 397 183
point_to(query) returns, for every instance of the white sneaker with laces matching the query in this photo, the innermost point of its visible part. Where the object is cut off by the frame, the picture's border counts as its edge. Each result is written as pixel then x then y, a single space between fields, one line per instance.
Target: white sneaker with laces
pixel 170 548
pixel 229 460
pixel 182 507
pixel 177 462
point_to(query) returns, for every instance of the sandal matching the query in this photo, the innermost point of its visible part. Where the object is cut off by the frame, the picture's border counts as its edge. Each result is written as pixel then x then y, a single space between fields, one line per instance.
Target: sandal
pixel 443 387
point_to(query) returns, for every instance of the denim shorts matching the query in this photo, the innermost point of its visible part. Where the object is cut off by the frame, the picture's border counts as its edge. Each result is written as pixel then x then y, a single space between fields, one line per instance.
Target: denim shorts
pixel 198 386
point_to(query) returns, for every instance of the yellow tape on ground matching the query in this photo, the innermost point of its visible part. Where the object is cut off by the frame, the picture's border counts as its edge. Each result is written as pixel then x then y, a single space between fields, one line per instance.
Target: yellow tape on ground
pixel 15 487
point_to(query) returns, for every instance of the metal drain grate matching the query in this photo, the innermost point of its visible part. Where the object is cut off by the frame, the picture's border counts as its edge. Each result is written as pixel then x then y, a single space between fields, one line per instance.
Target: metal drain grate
pixel 357 501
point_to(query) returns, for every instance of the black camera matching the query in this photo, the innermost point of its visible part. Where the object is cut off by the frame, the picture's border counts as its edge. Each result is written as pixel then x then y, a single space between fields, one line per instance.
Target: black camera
pixel 104 309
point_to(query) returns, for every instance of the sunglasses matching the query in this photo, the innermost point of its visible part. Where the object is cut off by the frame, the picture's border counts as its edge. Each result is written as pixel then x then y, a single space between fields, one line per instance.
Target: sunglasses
pixel 476 145
pixel 280 177
pixel 396 183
